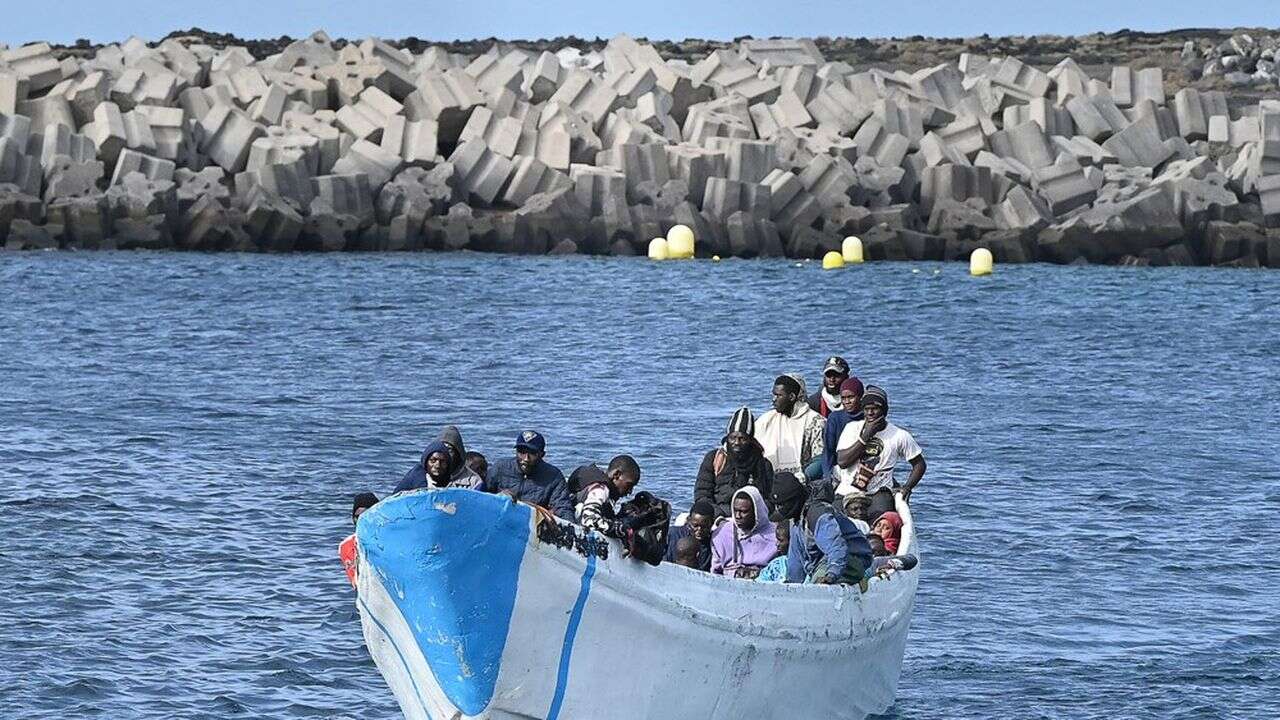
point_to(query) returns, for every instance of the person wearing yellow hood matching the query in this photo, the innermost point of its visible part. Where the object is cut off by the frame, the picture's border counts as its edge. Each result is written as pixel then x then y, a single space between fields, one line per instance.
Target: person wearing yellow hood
pixel 791 433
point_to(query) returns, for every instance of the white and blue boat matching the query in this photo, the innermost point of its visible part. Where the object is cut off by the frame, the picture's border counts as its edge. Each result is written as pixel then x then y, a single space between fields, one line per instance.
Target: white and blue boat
pixel 477 607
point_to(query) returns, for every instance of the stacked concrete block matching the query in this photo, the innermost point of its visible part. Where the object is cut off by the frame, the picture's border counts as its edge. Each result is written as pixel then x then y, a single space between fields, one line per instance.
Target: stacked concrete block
pixel 288 178
pixel 65 177
pixel 136 87
pixel 492 75
pixel 1021 210
pixel 379 164
pixel 447 98
pixel 1149 85
pixel 748 161
pixel 500 134
pixel 1139 144
pixel 645 163
pixel 965 135
pixel 598 188
pixel 1070 80
pixel 48 110
pixel 888 148
pixel 541 78
pixel 731 74
pixel 13 89
pixel 586 95
pixel 791 204
pixel 724 197
pixel 1082 150
pixel 61 140
pixel 479 173
pixel 564 136
pixel 530 176
pixel 1025 143
pixel 415 141
pixel 227 135
pixel 1123 84
pixel 1019 80
pixel 368 116
pixel 398 78
pixel 34 64
pixel 954 182
pixel 107 131
pixel 344 195
pixel 1087 118
pixel 169 131
pixel 788 111
pixel 829 180
pixel 154 168
pixel 1064 186
pixel 835 105
pixel 901 119
pixel 781 52
pixel 942 85
pixel 695 165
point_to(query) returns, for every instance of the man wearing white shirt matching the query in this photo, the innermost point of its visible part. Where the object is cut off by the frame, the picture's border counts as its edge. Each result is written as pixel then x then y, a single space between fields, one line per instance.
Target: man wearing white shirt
pixel 868 451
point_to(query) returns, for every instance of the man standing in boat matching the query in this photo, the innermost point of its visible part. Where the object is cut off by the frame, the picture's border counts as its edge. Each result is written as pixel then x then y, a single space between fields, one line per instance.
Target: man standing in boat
pixel 868 451
pixel 827 399
pixel 529 478
pixel 738 462
pixel 791 433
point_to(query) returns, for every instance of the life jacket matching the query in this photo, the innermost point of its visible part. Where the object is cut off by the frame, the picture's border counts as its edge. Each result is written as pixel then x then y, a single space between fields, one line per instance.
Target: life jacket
pixel 347 552
pixel 645 520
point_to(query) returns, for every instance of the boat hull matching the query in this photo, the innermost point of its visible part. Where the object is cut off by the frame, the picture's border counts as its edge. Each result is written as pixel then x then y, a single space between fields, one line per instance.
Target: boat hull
pixel 469 613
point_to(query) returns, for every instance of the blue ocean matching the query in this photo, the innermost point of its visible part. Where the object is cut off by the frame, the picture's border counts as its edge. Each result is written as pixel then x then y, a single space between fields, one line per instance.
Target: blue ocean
pixel 181 434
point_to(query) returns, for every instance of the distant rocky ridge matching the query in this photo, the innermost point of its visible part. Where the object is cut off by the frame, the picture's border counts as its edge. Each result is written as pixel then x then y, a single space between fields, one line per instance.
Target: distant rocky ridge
pixel 1132 148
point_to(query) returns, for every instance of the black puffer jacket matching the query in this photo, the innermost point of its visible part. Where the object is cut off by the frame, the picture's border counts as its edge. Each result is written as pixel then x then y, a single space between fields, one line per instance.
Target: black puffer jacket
pixel 719 487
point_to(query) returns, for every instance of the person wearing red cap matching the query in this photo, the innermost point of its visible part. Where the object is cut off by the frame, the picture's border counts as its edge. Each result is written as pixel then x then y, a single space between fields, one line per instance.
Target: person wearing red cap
pixel 850 410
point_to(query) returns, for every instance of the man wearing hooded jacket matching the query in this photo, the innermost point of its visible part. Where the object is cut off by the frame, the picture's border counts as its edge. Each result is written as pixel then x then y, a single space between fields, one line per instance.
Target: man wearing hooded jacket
pixel 791 432
pixel 460 474
pixel 438 470
pixel 738 462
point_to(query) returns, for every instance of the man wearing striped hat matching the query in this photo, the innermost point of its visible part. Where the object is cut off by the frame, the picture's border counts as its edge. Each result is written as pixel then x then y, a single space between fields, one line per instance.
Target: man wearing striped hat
pixel 738 462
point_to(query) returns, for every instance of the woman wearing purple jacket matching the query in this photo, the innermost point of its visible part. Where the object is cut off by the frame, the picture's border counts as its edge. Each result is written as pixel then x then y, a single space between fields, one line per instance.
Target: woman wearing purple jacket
pixel 742 547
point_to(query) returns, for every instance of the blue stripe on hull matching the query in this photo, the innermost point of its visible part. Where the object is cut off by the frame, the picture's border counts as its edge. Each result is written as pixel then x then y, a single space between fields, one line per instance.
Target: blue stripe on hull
pixel 570 633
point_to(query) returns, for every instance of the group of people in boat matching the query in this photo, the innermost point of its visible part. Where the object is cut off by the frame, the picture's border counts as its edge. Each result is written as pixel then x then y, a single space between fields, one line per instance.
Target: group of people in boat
pixel 804 493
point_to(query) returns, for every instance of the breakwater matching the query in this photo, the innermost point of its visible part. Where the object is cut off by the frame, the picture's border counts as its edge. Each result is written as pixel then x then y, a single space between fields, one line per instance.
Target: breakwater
pixel 761 147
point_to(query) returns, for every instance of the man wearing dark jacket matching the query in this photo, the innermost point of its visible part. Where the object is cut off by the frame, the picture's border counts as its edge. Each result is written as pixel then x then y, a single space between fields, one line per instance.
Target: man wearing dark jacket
pixel 738 462
pixel 529 478
pixel 463 475
pixel 827 399
pixel 851 410
pixel 827 548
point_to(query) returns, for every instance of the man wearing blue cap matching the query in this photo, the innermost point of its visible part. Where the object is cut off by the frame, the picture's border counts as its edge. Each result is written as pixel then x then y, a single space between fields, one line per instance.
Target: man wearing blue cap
pixel 529 478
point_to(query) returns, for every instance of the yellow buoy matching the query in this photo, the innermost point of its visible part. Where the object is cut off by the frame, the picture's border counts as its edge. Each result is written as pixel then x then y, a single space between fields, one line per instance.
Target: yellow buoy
pixel 715 258
pixel 832 261
pixel 658 249
pixel 980 262
pixel 680 242
pixel 851 250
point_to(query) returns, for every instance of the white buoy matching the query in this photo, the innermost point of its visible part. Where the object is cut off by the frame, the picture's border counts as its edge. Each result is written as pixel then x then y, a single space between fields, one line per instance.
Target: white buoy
pixel 981 262
pixel 658 249
pixel 680 242
pixel 851 250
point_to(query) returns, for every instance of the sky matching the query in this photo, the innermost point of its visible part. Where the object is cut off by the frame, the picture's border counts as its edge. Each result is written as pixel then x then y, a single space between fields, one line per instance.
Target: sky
pixel 64 21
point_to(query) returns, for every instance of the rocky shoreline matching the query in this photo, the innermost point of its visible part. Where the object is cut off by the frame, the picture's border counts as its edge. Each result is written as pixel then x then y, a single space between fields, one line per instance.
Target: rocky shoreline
pixel 1124 148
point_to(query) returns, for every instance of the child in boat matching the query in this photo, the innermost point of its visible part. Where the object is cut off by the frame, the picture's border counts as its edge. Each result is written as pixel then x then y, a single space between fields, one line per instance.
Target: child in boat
pixel 776 570
pixel 743 547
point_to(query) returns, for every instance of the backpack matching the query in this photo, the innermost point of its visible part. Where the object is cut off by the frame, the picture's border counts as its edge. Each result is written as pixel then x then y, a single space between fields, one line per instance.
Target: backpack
pixel 645 520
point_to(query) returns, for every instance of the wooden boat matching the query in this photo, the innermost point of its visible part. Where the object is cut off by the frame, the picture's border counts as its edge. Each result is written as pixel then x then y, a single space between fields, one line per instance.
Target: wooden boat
pixel 477 607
